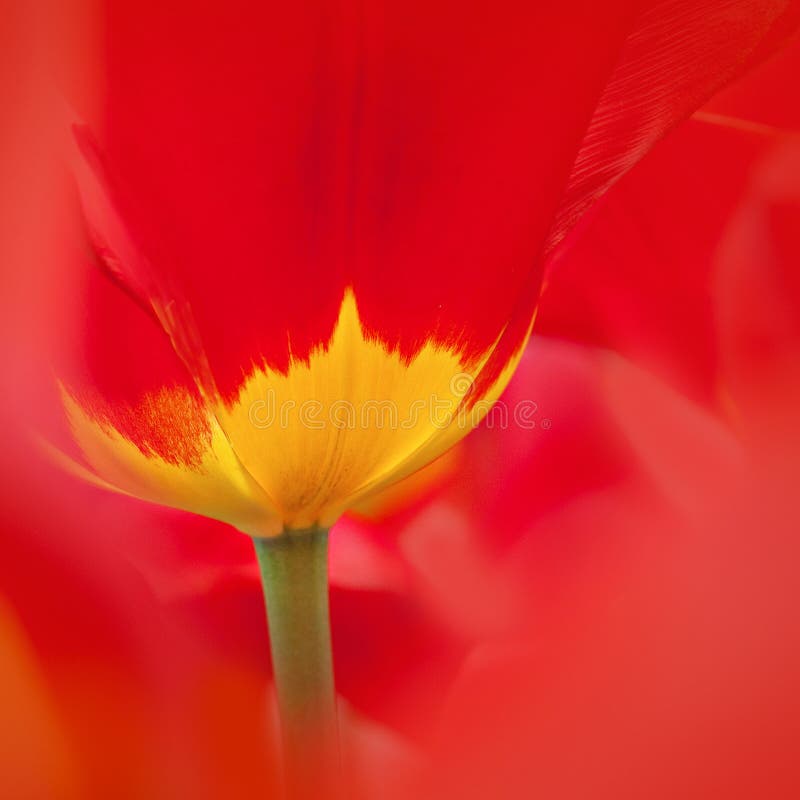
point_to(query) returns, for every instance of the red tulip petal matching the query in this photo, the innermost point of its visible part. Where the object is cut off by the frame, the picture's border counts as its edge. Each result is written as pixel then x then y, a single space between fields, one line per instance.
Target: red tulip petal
pixel 677 55
pixel 285 155
pixel 637 276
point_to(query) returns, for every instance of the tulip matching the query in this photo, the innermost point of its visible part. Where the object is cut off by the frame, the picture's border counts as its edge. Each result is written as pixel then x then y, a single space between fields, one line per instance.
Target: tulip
pixel 321 234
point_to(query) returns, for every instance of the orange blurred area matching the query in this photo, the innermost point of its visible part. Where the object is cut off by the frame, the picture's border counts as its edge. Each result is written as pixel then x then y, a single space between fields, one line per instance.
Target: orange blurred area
pixel 601 605
pixel 32 732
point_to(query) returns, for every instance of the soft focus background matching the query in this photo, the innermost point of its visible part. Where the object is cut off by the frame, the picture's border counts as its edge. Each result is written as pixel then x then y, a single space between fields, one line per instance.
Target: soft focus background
pixel 603 604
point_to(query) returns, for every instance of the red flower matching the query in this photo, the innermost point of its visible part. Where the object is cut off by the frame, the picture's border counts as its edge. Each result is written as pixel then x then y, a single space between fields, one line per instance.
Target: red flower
pixel 327 215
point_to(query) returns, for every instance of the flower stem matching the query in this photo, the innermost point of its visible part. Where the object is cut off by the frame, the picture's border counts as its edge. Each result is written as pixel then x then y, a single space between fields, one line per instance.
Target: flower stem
pixel 294 575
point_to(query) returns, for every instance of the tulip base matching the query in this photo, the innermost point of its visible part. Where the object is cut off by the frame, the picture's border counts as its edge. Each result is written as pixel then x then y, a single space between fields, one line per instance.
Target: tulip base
pixel 294 575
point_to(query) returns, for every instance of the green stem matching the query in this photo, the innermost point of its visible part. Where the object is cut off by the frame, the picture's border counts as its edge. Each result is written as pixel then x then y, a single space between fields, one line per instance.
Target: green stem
pixel 294 575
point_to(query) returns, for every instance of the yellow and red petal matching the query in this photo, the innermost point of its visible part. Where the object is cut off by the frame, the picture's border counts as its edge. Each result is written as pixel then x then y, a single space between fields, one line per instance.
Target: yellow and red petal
pixel 139 421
